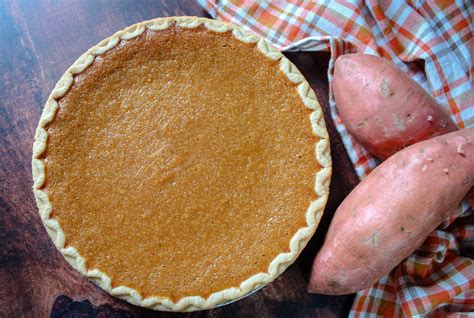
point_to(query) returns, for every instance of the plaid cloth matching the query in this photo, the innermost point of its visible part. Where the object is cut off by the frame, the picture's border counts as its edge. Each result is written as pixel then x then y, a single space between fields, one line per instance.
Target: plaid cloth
pixel 433 42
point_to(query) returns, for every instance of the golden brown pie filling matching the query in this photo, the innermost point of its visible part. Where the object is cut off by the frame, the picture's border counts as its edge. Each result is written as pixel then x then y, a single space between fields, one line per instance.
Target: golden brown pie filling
pixel 180 163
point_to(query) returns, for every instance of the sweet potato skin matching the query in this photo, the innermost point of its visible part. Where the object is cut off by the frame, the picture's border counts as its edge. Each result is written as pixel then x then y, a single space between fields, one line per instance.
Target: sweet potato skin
pixel 382 107
pixel 391 212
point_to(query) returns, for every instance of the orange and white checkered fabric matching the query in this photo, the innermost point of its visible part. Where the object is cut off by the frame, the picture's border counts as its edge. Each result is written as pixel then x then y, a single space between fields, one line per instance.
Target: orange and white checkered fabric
pixel 432 40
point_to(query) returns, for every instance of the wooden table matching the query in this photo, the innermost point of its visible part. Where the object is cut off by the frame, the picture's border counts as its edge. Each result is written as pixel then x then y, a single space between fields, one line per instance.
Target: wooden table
pixel 38 41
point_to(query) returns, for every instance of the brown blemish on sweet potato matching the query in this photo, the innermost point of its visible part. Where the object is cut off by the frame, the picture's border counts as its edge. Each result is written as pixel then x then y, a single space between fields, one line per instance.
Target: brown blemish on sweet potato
pixel 402 164
pixel 404 230
pixel 385 88
pixel 332 282
pixel 465 180
pixel 353 212
pixel 363 122
pixel 374 238
pixel 399 123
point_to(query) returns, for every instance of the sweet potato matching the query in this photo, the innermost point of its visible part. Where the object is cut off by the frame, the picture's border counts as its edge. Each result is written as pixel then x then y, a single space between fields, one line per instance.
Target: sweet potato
pixel 391 212
pixel 382 107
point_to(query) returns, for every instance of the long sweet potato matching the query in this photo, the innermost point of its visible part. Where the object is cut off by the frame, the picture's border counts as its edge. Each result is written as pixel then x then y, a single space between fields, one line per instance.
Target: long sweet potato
pixel 391 212
pixel 382 107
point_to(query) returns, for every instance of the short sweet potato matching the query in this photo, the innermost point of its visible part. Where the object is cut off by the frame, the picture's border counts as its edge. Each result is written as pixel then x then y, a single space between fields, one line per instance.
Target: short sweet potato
pixel 382 107
pixel 391 212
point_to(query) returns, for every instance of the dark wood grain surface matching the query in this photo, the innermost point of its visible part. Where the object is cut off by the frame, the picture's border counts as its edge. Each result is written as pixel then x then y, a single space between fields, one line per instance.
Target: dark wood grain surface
pixel 38 41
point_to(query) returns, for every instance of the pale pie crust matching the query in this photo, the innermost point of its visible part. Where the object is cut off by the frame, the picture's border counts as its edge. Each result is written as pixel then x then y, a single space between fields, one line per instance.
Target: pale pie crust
pixel 279 264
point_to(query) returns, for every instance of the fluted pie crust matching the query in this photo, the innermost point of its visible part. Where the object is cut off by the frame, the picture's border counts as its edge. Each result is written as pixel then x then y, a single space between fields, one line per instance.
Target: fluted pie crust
pixel 53 193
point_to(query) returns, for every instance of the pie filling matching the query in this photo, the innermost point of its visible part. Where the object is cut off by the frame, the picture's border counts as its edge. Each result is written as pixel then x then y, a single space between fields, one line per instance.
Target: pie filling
pixel 181 163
